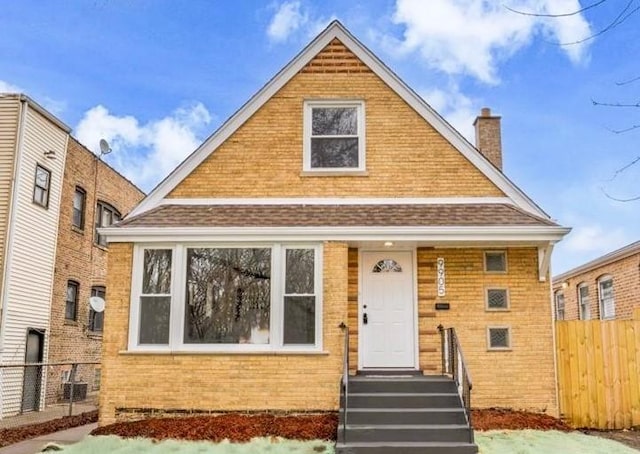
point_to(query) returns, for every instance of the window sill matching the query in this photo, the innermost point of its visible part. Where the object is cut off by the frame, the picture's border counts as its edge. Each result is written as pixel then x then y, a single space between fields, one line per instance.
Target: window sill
pixel 77 229
pixel 334 173
pixel 99 246
pixel 509 349
pixel 497 310
pixel 70 322
pixel 225 353
pixel 94 335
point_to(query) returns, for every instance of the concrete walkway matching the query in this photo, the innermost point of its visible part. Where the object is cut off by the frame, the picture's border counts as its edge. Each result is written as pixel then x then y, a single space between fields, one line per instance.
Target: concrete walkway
pixel 64 437
pixel 49 413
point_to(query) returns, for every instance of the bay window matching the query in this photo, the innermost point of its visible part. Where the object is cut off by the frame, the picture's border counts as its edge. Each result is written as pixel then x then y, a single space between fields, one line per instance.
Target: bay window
pixel 226 298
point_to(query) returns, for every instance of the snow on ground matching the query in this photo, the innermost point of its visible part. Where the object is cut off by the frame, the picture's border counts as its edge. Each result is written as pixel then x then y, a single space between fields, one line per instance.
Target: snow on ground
pixel 546 442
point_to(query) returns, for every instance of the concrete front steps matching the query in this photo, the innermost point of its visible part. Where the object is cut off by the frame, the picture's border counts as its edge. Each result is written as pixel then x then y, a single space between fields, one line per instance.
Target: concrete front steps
pixel 403 413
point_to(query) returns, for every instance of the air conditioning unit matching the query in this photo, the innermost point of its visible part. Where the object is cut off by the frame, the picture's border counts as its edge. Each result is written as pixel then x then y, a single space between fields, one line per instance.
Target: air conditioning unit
pixel 79 391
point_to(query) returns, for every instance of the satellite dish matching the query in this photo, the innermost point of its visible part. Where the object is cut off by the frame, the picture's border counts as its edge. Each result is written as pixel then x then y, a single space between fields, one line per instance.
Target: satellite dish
pixel 96 303
pixel 104 147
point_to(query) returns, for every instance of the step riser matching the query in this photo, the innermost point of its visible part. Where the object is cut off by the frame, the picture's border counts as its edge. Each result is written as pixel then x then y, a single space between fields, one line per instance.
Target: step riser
pixel 402 387
pixel 470 449
pixel 405 417
pixel 356 435
pixel 408 401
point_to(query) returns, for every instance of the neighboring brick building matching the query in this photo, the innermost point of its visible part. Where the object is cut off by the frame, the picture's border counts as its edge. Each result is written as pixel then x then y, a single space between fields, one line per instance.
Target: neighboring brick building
pixel 605 288
pixel 89 187
pixel 229 282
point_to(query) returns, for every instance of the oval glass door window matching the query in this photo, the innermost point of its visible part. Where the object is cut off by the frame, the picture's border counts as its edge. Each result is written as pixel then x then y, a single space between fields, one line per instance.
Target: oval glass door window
pixel 387 266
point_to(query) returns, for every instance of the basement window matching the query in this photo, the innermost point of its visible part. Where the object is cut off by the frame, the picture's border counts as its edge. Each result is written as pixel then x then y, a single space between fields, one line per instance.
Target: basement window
pixel 499 338
pixel 334 136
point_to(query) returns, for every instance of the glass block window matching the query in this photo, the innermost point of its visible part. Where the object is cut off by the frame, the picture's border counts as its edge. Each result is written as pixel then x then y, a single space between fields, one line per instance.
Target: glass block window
pixel 497 298
pixel 495 261
pixel 387 266
pixel 334 136
pixel 559 297
pixel 583 301
pixel 499 338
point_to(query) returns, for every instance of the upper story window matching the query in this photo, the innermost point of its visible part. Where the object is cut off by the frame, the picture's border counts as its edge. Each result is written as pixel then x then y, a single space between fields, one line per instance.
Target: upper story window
pixel 96 319
pixel 79 199
pixel 334 136
pixel 106 215
pixel 583 301
pixel 495 261
pixel 71 306
pixel 559 305
pixel 42 186
pixel 605 293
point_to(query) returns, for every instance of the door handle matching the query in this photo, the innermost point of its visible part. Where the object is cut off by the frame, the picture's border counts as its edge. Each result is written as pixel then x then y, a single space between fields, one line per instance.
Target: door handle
pixel 365 319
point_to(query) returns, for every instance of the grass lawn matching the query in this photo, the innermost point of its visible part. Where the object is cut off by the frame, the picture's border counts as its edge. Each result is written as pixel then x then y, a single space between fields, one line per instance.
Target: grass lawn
pixel 490 442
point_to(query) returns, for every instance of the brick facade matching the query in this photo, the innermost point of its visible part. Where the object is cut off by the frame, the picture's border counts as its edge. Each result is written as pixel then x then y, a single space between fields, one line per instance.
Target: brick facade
pixel 626 287
pixel 79 259
pixel 405 157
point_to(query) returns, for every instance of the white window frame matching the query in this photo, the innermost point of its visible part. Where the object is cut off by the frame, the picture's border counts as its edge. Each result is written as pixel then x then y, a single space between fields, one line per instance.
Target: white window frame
pixel 557 306
pixel 496 309
pixel 509 339
pixel 581 304
pixel 177 309
pixel 309 105
pixel 506 261
pixel 602 280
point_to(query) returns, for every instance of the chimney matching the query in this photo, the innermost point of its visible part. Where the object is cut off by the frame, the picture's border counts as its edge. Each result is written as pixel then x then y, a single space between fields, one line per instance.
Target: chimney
pixel 488 137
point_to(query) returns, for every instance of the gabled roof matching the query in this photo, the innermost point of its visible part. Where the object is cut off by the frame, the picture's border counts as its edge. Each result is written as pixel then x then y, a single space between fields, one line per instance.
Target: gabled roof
pixel 336 30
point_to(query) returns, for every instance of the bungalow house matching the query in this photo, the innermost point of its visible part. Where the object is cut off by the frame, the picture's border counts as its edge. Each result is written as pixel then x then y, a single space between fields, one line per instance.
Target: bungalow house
pixel 335 196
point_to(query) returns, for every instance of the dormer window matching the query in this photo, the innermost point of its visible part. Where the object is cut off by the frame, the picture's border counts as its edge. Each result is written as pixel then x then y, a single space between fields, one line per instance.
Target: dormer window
pixel 334 136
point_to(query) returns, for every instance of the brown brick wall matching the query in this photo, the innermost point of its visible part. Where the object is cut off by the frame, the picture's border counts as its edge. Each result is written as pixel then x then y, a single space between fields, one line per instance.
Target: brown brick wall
pixel 79 259
pixel 285 382
pixel 626 288
pixel 405 156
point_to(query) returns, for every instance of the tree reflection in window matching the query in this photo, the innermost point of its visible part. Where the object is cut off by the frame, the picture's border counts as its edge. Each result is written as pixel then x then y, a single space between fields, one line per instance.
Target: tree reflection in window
pixel 387 266
pixel 228 296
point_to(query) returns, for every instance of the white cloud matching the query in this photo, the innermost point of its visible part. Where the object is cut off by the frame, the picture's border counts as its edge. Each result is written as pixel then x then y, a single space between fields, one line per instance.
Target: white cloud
pixel 287 19
pixel 470 36
pixel 455 107
pixel 594 239
pixel 144 153
pixel 6 87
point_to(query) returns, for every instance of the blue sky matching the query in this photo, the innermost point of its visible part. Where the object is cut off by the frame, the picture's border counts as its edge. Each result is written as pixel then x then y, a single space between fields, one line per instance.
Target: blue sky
pixel 156 77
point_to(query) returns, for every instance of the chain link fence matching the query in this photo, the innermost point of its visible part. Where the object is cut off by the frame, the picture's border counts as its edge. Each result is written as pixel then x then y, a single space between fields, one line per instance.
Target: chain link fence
pixel 38 392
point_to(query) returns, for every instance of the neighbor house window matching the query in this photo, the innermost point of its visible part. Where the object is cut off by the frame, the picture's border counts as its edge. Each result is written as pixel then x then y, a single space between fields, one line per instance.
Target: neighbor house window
pixel 583 301
pixel 559 297
pixel 79 198
pixel 497 299
pixel 214 298
pixel 495 261
pixel 607 302
pixel 106 215
pixel 334 135
pixel 71 306
pixel 96 319
pixel 499 338
pixel 41 186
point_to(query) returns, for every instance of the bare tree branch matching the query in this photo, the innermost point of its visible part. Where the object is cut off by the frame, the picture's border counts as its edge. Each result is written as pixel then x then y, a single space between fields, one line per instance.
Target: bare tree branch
pixel 624 168
pixel 622 17
pixel 631 199
pixel 622 131
pixel 572 13
pixel 614 104
pixel 628 81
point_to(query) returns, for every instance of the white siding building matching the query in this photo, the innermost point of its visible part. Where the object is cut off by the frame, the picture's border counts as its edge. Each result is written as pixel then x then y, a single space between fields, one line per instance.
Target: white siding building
pixel 33 146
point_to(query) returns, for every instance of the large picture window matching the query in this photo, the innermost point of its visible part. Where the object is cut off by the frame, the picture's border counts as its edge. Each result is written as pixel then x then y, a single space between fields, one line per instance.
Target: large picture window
pixel 334 135
pixel 226 298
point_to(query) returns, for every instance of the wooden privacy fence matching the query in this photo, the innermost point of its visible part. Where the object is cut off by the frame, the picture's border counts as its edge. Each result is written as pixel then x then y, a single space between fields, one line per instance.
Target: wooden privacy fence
pixel 599 373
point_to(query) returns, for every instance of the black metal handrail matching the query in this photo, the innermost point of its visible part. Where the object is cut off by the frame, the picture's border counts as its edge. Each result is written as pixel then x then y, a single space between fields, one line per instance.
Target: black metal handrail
pixel 453 364
pixel 344 383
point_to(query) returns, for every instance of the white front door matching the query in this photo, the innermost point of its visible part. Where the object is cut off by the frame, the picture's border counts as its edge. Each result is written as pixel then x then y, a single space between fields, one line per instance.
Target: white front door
pixel 387 323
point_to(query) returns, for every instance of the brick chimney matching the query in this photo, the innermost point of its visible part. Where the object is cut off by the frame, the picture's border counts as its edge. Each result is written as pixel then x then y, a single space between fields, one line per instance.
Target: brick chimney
pixel 488 137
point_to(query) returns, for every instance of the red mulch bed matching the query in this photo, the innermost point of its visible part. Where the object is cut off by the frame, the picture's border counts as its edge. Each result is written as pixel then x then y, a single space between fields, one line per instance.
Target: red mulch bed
pixel 21 433
pixel 507 419
pixel 234 427
pixel 243 427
